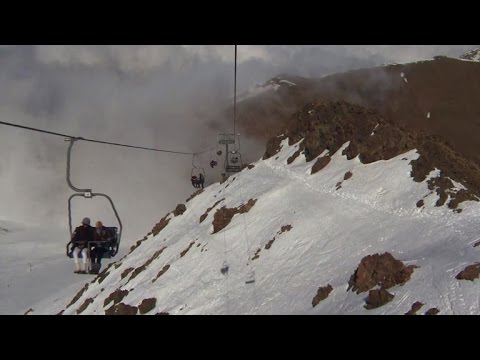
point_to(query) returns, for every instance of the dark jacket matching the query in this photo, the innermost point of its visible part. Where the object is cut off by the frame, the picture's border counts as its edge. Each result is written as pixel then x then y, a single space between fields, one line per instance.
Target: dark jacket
pixel 102 234
pixel 82 235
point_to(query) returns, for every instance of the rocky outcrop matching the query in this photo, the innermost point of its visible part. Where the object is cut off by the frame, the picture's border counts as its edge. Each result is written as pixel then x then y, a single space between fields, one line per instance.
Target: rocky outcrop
pixel 377 298
pixel 471 272
pixel 383 270
pixel 224 215
pixel 322 294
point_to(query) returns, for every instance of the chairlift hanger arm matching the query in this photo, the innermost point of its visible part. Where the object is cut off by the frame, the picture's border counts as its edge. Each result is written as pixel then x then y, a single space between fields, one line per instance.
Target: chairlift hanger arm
pixel 69 154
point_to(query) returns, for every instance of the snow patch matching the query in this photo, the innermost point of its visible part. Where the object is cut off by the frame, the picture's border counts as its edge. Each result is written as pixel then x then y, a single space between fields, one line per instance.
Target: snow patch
pixel 289 83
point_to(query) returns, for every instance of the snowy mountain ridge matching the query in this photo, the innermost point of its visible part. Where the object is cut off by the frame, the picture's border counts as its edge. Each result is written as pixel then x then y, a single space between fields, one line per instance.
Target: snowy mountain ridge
pixel 473 55
pixel 304 236
pixel 272 85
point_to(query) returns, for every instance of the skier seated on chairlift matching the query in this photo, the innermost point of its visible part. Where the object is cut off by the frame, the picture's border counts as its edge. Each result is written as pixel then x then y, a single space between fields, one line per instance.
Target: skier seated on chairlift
pixel 102 240
pixel 213 163
pixel 198 181
pixel 80 239
pixel 194 181
pixel 201 180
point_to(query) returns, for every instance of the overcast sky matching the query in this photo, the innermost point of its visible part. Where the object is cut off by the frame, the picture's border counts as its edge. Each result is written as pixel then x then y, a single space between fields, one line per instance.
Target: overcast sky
pixel 150 95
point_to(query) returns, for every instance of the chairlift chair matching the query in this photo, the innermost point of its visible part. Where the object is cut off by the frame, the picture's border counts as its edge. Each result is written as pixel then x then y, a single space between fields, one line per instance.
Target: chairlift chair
pixel 114 232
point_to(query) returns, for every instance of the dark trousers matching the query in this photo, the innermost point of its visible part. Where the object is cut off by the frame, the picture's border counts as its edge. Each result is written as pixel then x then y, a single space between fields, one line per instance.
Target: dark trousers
pixel 97 254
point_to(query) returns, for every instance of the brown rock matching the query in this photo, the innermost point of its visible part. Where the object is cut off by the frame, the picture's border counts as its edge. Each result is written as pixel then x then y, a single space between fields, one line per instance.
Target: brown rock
pixel 116 297
pixel 160 225
pixel 179 210
pixel 139 242
pixel 348 175
pixel 78 295
pixel 273 146
pixel 432 311
pixel 121 309
pixel 415 307
pixel 471 272
pixel 285 228
pixel 322 294
pixel 257 254
pixel 383 270
pixel 224 215
pixel 198 192
pixel 126 272
pixel 182 254
pixel 204 216
pixel 144 266
pixel 84 305
pixel 147 305
pixel 320 164
pixel 294 156
pixel 377 298
pixel 163 271
pixel 269 244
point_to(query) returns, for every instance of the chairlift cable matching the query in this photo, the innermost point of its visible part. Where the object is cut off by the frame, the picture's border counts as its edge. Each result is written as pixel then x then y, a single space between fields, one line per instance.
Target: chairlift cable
pixel 98 141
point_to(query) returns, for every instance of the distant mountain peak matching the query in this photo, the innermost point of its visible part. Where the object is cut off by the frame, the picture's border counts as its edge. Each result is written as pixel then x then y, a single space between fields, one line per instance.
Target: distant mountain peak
pixel 472 55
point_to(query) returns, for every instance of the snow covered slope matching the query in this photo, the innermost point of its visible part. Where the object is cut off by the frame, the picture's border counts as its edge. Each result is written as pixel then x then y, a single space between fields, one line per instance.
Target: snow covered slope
pixel 33 267
pixel 303 232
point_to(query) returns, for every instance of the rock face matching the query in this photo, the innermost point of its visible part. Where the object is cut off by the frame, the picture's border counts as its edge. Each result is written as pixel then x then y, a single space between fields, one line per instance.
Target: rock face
pixel 116 297
pixel 161 272
pixel 198 192
pixel 432 311
pixel 415 307
pixel 204 216
pixel 377 298
pixel 160 225
pixel 329 125
pixel 184 252
pixel 294 156
pixel 383 270
pixel 443 88
pixel 78 295
pixel 179 210
pixel 147 305
pixel 122 309
pixel 471 273
pixel 322 294
pixel 144 266
pixel 84 305
pixel 224 215
pixel 320 164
